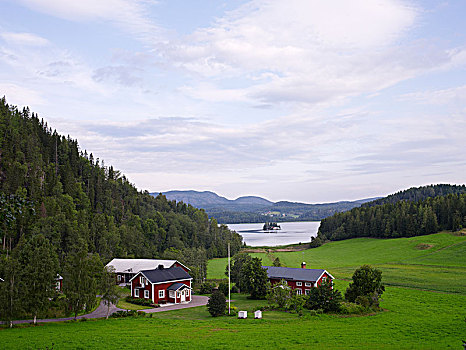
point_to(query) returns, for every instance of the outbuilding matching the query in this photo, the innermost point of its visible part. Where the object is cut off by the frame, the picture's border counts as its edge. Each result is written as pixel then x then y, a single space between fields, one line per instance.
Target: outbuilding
pixel 299 279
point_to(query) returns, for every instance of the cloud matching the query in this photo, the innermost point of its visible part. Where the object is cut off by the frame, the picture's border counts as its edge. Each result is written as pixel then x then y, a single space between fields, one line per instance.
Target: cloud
pixel 26 39
pixel 455 95
pixel 129 15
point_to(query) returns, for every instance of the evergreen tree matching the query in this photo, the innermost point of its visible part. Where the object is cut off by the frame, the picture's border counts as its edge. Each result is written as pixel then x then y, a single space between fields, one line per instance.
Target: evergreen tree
pixel 10 297
pixel 217 304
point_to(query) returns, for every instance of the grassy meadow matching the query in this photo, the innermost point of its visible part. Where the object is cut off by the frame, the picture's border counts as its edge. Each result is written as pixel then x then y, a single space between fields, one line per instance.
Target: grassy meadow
pixel 424 307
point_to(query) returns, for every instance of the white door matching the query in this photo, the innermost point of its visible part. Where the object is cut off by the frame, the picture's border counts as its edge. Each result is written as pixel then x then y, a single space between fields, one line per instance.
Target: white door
pixel 183 297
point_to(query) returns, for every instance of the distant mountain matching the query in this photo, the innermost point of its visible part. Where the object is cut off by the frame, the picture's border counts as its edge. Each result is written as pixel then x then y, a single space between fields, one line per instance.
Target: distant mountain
pixel 258 209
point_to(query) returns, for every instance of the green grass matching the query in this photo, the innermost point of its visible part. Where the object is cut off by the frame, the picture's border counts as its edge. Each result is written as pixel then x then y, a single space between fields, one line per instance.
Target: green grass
pixel 440 268
pixel 424 305
pixel 123 304
pixel 412 320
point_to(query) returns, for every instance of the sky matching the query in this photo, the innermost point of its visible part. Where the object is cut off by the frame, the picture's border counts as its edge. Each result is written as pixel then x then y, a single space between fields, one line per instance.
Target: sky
pixel 300 100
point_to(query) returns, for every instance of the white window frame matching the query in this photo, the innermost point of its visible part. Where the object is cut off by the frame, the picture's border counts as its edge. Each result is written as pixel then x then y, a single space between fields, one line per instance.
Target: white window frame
pixel 308 284
pixel 161 293
pixel 324 278
pixel 172 294
pixel 187 292
pixel 307 292
pixel 119 278
pixel 146 294
pixel 299 291
pixel 299 284
pixel 136 293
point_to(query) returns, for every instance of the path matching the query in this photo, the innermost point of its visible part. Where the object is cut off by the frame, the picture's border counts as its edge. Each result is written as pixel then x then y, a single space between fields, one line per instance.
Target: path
pixel 198 300
pixel 101 311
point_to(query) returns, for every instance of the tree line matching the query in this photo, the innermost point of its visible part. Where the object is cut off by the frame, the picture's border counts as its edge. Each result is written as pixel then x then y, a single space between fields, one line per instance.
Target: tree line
pixel 398 219
pixel 50 188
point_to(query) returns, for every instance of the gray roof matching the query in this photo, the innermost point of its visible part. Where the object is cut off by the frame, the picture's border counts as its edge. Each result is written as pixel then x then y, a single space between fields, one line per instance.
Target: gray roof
pixel 294 274
pixel 166 275
pixel 177 285
pixel 136 265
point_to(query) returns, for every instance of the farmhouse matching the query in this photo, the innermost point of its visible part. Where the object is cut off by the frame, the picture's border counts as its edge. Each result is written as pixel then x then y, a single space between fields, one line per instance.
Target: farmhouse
pixel 125 269
pixel 299 279
pixel 172 285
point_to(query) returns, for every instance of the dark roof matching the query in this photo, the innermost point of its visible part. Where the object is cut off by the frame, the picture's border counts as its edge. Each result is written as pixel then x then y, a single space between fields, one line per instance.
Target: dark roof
pixel 177 285
pixel 164 275
pixel 294 274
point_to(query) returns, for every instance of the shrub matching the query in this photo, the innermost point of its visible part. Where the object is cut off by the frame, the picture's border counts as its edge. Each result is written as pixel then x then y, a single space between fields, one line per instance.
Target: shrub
pixel 217 304
pixel 367 284
pixel 206 287
pixel 119 314
pixel 234 289
pixel 324 297
pixel 352 309
pixel 137 301
pixel 223 287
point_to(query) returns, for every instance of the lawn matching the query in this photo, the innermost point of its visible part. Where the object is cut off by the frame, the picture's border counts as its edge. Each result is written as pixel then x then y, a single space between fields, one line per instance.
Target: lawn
pixel 424 307
pixel 441 267
pixel 414 319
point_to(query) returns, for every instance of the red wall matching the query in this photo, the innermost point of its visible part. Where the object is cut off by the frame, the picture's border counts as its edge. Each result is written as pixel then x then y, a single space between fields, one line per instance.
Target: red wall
pixel 156 300
pixel 292 284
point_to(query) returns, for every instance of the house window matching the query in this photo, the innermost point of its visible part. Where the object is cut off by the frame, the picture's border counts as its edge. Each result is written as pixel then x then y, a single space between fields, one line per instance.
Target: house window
pixel 162 293
pixel 187 292
pixel 146 294
pixel 299 291
pixel 307 291
pixel 308 284
pixel 119 278
pixel 136 293
pixel 324 278
pixel 299 284
pixel 177 294
pixel 171 294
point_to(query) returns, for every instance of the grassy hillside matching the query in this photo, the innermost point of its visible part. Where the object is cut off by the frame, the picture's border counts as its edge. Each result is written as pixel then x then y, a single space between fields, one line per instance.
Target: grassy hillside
pixel 433 262
pixel 414 317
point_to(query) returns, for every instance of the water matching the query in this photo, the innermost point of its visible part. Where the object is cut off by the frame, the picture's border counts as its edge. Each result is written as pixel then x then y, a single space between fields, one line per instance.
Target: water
pixel 291 233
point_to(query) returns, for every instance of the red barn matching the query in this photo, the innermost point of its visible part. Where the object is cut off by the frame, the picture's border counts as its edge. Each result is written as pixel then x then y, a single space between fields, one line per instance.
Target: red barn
pixel 299 279
pixel 172 285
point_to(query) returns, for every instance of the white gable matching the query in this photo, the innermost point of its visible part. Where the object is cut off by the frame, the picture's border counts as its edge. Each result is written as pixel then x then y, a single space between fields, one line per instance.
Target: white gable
pixel 136 265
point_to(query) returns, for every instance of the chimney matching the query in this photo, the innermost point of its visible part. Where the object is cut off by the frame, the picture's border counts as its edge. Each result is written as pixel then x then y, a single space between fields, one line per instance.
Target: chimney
pixel 161 267
pixel 303 265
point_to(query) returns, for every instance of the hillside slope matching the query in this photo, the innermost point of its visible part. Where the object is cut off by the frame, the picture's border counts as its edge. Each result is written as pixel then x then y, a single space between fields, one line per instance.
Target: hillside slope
pixel 49 186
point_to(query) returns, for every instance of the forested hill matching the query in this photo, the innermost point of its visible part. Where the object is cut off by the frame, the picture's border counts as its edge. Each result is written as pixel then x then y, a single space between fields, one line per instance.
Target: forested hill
pixel 419 193
pixel 401 218
pixel 49 186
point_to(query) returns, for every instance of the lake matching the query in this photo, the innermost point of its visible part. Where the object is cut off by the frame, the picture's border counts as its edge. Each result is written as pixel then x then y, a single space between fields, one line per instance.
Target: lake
pixel 291 233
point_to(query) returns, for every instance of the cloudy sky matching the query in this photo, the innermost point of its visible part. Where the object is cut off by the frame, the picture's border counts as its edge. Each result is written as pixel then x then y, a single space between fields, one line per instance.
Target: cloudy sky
pixel 301 100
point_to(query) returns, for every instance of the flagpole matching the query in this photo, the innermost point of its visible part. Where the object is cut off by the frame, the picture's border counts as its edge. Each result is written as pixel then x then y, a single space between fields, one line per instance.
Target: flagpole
pixel 229 287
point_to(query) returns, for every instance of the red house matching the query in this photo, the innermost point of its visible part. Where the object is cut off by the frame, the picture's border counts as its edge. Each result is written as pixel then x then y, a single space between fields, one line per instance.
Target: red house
pixel 125 269
pixel 172 285
pixel 299 279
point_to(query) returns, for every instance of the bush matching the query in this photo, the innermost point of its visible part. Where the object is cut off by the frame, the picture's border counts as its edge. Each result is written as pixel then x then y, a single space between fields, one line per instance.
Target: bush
pixel 324 297
pixel 119 314
pixel 366 287
pixel 206 288
pixel 137 301
pixel 234 289
pixel 352 309
pixel 217 304
pixel 223 287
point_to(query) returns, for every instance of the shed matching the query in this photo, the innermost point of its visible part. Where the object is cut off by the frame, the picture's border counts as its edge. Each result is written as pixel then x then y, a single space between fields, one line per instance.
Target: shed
pixel 242 314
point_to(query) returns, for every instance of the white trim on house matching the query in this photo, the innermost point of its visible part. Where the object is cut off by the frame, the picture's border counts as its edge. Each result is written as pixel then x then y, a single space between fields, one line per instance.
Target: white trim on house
pixel 299 284
pixel 161 293
pixel 308 284
pixel 299 291
pixel 146 294
pixel 307 292
pixel 329 275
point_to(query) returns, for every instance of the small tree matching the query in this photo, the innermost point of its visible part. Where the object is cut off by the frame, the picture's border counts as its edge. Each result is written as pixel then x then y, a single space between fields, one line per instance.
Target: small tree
pixel 223 287
pixel 217 304
pixel 279 294
pixel 110 291
pixel 254 278
pixel 236 268
pixel 39 270
pixel 366 287
pixel 277 262
pixel 324 297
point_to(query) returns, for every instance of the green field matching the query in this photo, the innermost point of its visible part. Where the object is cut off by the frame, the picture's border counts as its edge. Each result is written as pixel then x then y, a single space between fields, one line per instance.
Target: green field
pixel 442 267
pixel 424 307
